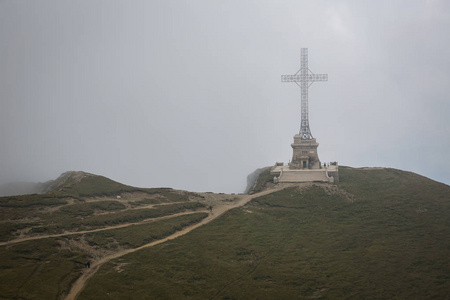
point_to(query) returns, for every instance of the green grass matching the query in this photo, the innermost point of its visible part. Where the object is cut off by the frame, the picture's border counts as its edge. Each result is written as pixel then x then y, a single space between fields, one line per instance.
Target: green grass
pixel 8 230
pixel 59 222
pixel 21 212
pixel 86 209
pixel 304 244
pixel 26 201
pixel 391 184
pixel 165 196
pixel 38 269
pixel 147 201
pixel 138 235
pixel 379 234
pixel 43 269
pixel 93 185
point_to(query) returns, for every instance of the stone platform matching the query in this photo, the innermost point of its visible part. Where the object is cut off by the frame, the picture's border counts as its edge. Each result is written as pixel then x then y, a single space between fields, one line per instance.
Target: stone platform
pixel 283 173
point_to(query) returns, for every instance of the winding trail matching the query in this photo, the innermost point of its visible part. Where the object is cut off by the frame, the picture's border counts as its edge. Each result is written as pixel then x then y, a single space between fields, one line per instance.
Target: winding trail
pixel 79 285
pixel 46 236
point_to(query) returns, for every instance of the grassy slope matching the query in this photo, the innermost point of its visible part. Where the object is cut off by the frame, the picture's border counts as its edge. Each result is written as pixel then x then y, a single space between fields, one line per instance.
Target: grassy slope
pixel 95 185
pixel 45 269
pixel 25 211
pixel 89 186
pixel 30 206
pixel 38 269
pixel 138 235
pixel 390 242
pixel 59 222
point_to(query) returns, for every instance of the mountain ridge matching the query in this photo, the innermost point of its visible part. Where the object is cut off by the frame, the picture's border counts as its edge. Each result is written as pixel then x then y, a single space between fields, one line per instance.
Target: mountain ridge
pixel 254 182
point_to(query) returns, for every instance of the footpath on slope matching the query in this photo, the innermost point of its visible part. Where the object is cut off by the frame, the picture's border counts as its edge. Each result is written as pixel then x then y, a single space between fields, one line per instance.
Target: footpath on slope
pixel 218 210
pixel 46 236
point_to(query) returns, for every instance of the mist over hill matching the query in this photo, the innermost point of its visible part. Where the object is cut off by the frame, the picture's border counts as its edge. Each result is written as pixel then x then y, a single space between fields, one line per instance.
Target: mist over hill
pixel 19 188
pixel 26 188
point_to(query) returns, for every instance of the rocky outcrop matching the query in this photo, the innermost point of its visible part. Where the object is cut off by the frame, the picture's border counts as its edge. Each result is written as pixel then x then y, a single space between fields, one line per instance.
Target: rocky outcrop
pixel 252 179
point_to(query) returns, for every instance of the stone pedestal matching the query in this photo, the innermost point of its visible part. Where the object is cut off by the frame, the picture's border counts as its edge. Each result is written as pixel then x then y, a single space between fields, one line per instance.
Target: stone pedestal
pixel 305 154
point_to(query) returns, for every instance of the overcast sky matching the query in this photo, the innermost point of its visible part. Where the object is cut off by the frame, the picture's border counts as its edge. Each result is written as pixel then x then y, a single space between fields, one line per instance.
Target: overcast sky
pixel 187 94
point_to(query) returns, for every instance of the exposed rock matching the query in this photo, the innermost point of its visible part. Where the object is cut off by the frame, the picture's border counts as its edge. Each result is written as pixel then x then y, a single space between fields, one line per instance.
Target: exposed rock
pixel 252 179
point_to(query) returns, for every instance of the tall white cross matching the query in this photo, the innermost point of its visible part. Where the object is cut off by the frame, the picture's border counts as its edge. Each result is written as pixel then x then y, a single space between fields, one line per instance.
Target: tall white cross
pixel 304 78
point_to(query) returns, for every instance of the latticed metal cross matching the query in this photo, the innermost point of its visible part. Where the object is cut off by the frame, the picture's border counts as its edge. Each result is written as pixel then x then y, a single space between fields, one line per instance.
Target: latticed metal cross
pixel 304 78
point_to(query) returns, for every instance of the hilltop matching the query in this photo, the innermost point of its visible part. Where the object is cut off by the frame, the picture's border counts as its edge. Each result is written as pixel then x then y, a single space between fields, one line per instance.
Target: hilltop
pixel 379 233
pixel 77 181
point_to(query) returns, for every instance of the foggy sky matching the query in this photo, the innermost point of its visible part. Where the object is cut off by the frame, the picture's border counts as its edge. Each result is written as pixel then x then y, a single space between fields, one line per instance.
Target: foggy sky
pixel 187 94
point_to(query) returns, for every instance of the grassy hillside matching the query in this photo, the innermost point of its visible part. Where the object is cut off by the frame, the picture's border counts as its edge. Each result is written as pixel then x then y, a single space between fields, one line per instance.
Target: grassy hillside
pixel 77 199
pixel 45 268
pixel 379 234
pixel 80 184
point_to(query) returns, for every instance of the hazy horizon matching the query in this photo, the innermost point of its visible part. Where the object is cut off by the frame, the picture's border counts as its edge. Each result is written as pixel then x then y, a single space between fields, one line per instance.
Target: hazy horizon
pixel 187 94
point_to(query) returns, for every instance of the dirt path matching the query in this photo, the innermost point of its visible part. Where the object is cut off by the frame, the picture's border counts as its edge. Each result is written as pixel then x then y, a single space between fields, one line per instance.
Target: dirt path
pixel 98 229
pixel 217 211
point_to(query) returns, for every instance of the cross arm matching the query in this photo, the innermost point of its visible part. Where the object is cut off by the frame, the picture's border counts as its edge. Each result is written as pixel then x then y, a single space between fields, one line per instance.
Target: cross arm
pixel 308 78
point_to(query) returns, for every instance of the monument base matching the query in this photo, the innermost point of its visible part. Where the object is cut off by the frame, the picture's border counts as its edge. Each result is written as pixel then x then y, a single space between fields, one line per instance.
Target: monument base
pixel 304 155
pixel 284 173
